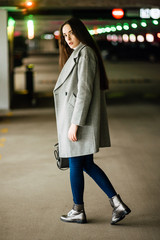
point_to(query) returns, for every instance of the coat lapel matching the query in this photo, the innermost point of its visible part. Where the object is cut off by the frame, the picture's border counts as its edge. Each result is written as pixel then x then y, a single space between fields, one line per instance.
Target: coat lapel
pixel 68 67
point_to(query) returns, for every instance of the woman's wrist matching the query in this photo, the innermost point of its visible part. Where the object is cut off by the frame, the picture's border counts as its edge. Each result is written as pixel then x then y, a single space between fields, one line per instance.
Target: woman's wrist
pixel 72 133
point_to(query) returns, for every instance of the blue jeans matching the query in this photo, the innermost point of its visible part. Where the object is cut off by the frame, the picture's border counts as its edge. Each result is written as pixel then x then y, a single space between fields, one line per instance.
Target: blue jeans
pixel 85 163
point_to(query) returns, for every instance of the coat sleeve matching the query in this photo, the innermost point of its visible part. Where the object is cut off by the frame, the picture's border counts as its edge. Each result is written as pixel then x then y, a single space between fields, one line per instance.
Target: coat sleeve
pixel 86 75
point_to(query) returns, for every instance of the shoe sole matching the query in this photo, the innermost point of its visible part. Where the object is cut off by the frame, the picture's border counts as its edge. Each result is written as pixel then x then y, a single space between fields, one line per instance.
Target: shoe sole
pixel 122 217
pixel 74 221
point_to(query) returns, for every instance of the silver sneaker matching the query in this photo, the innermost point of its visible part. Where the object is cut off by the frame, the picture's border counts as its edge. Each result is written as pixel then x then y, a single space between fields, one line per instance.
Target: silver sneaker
pixel 76 215
pixel 120 209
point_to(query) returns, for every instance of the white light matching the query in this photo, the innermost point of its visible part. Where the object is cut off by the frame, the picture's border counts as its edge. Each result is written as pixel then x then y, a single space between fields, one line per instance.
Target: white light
pixel 134 25
pixel 140 38
pixel 99 30
pixel 109 37
pixel 56 33
pixel 119 38
pixel 155 22
pixel 118 13
pixel 107 29
pixel 113 29
pixel 143 24
pixel 126 26
pixel 30 29
pixel 125 37
pixel 114 38
pixel 103 30
pixel 29 4
pixel 119 27
pixel 155 13
pixel 132 38
pixel 150 13
pixel 95 31
pixel 145 13
pixel 48 36
pixel 149 37
pixel 91 32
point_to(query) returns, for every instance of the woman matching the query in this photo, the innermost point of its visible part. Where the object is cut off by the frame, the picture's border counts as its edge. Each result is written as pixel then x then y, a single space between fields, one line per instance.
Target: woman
pixel 81 116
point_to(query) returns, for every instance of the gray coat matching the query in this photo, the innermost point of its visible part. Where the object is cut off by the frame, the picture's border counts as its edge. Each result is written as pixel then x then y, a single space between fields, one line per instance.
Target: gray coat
pixel 78 100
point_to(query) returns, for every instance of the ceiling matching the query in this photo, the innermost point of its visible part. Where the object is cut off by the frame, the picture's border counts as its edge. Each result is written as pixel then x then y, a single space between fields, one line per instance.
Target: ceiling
pixel 48 15
pixel 81 3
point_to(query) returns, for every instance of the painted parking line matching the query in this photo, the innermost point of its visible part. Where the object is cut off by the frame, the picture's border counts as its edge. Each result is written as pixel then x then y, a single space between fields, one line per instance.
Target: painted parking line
pixel 4 130
pixel 2 140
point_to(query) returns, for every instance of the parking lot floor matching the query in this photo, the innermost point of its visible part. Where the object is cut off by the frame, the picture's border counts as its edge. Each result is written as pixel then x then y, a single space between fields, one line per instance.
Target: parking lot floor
pixel 34 192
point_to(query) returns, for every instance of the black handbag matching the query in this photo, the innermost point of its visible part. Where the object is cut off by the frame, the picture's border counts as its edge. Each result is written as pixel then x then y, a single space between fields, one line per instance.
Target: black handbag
pixel 62 163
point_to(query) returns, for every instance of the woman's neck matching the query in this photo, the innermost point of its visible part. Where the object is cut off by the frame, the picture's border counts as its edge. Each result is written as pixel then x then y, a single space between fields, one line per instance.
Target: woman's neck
pixel 77 46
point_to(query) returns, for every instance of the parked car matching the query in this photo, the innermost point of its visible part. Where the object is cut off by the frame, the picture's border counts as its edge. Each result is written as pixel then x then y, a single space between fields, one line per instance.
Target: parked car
pixel 115 51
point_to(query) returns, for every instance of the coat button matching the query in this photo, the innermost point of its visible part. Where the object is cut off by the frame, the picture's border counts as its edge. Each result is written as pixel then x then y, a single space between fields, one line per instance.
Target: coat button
pixel 66 93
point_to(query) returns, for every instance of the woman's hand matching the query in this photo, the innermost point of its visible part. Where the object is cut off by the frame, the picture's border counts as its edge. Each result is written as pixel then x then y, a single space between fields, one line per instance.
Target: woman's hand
pixel 72 133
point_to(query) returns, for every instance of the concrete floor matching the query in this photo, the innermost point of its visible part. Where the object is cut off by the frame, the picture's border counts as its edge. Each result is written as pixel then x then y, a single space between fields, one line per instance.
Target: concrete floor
pixel 34 193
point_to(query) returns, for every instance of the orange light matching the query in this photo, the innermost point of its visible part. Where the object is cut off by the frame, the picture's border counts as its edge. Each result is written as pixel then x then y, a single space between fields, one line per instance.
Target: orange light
pixel 158 35
pixel 95 30
pixel 56 34
pixel 118 13
pixel 29 4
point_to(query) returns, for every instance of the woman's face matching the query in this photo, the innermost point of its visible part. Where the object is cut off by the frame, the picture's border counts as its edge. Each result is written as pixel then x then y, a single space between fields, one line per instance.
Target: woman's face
pixel 69 36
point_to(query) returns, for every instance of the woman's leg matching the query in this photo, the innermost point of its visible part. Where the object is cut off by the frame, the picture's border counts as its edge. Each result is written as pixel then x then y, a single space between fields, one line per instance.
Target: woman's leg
pixel 86 163
pixel 98 176
pixel 77 214
pixel 77 178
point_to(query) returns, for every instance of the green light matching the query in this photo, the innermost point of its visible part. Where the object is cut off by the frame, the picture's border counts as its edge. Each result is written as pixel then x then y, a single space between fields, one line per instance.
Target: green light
pixel 126 26
pixel 134 25
pixel 113 29
pixel 99 30
pixel 119 27
pixel 103 30
pixel 91 32
pixel 143 24
pixel 30 17
pixel 11 22
pixel 107 29
pixel 155 22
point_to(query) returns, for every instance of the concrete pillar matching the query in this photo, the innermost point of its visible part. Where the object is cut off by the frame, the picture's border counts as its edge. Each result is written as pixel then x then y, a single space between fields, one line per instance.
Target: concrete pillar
pixel 4 62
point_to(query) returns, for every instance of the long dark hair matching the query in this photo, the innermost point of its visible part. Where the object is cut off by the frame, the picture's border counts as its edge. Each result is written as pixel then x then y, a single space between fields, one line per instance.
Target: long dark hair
pixel 82 34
